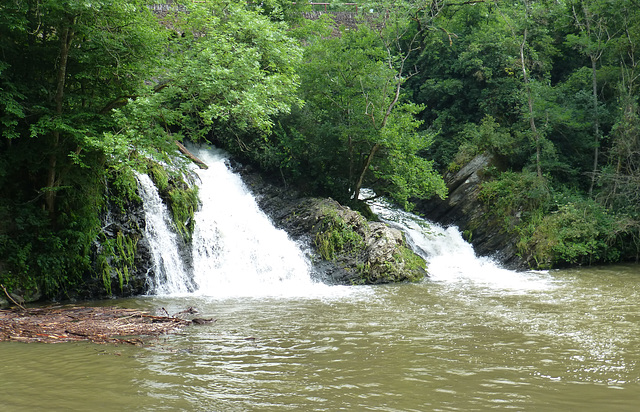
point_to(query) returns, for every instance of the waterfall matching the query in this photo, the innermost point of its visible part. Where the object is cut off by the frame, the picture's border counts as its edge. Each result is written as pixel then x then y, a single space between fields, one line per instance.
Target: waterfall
pixel 236 249
pixel 450 258
pixel 171 276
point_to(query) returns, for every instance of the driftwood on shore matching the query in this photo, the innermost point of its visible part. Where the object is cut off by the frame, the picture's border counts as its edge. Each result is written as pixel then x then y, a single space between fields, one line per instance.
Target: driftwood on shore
pixel 78 323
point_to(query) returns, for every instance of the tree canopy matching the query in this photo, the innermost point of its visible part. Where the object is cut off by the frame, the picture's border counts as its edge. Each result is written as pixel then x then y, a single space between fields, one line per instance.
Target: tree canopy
pixel 64 66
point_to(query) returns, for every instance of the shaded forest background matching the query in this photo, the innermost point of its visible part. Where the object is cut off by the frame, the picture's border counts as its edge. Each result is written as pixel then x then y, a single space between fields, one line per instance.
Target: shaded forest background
pixel 92 92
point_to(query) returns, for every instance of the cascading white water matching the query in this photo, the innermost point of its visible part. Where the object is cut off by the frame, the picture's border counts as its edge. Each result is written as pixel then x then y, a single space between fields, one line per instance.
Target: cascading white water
pixel 171 276
pixel 236 250
pixel 449 256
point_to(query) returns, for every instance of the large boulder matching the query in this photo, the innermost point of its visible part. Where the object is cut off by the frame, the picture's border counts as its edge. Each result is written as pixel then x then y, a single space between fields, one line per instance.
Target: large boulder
pixel 464 209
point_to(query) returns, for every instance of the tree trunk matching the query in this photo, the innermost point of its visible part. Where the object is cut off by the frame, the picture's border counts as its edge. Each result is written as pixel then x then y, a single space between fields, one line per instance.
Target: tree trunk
pixel 365 167
pixel 532 120
pixel 596 124
pixel 194 159
pixel 351 162
pixel 52 176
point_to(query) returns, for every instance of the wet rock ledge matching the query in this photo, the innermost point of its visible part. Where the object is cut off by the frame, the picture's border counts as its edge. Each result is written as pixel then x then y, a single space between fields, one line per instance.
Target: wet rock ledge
pixel 345 247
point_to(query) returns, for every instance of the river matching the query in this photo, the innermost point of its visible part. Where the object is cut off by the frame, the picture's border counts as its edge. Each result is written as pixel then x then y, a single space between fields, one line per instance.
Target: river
pixel 564 340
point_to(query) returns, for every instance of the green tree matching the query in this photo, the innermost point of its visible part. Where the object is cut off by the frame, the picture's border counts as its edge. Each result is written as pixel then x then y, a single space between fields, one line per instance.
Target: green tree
pixel 590 17
pixel 229 72
pixel 358 127
pixel 70 63
pixel 533 48
pixel 467 70
pixel 620 180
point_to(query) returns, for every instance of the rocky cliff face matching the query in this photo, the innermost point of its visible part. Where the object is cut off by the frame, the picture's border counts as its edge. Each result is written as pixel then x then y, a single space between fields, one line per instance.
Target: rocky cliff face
pixel 346 248
pixel 120 258
pixel 463 209
pixel 121 255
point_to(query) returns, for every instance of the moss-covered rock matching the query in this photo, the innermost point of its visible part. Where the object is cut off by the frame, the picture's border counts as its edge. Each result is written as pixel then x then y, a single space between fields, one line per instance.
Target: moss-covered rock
pixel 121 256
pixel 347 248
pixel 180 195
pixel 366 252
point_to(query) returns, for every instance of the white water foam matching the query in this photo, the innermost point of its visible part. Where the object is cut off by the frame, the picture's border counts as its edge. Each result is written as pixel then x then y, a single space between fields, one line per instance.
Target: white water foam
pixel 171 276
pixel 236 250
pixel 450 258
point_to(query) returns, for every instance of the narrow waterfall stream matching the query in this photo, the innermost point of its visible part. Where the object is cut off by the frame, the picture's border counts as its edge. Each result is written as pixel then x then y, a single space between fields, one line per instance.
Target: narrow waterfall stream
pixel 450 258
pixel 171 276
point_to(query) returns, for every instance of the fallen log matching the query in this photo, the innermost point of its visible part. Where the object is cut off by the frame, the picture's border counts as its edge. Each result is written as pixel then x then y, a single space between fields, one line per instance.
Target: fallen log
pixel 186 152
pixel 13 298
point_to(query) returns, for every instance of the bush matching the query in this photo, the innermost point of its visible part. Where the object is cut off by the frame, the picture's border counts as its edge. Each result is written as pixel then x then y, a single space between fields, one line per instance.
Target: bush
pixel 580 232
pixel 488 135
pixel 515 197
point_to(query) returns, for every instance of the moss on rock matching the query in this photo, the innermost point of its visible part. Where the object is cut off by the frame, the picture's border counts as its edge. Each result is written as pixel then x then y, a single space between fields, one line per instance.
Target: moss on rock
pixel 180 196
pixel 365 252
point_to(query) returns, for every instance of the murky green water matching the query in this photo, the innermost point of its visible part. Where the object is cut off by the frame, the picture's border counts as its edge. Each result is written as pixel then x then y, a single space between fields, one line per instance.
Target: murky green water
pixel 559 341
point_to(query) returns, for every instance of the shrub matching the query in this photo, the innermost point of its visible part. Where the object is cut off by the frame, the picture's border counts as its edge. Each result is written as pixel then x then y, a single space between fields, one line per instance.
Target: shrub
pixel 580 232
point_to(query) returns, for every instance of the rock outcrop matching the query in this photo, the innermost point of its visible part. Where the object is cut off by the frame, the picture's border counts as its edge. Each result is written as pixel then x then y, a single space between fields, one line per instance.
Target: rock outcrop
pixel 346 248
pixel 122 255
pixel 464 209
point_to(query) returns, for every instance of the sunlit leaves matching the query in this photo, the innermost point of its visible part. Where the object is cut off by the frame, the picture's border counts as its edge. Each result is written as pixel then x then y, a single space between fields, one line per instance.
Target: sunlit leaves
pixel 233 69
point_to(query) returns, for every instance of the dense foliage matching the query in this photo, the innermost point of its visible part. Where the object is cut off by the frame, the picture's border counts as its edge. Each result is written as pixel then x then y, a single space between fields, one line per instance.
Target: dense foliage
pixel 64 65
pixel 90 90
pixel 551 89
